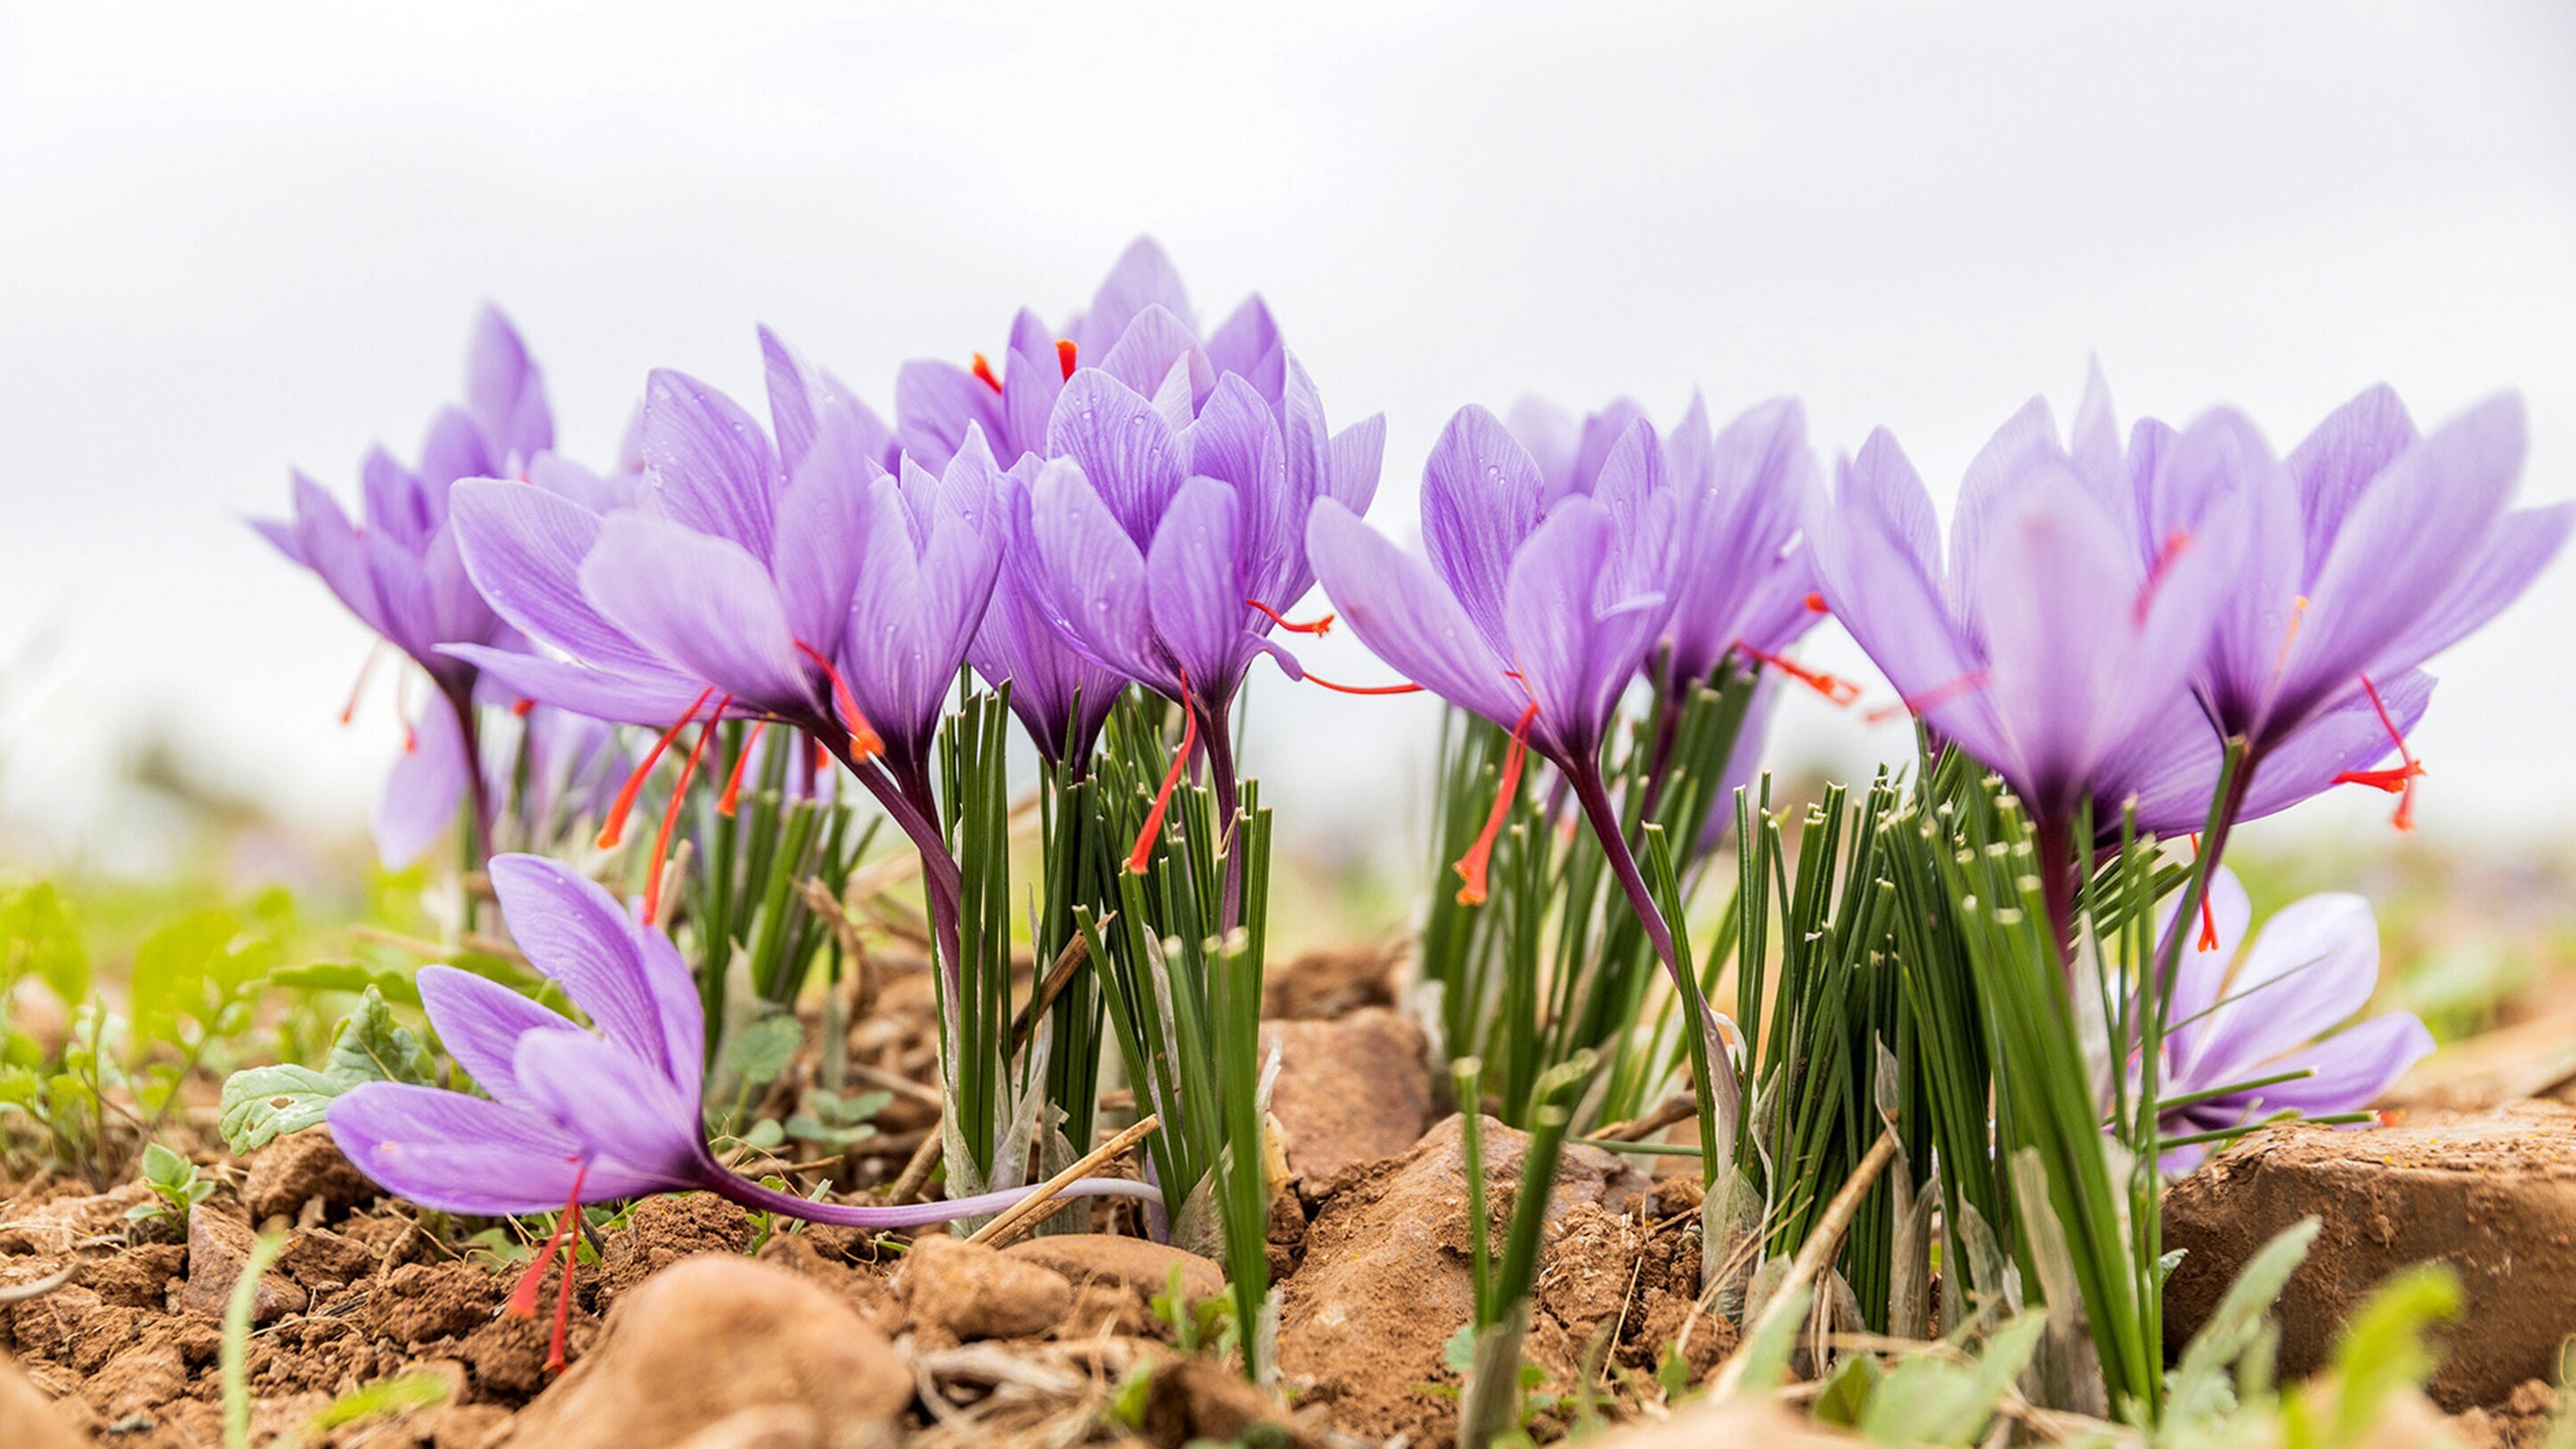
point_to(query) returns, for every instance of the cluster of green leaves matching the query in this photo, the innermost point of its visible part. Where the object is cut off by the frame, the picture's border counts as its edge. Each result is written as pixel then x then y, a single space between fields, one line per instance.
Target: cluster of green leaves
pixel 176 1188
pixel 261 1104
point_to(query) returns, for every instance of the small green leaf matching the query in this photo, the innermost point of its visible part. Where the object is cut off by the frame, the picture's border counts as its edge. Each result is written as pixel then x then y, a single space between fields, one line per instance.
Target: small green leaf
pixel 263 1104
pixel 764 1048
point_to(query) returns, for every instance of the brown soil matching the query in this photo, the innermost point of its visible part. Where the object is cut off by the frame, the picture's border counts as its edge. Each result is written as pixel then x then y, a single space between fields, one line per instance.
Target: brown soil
pixel 2493 1194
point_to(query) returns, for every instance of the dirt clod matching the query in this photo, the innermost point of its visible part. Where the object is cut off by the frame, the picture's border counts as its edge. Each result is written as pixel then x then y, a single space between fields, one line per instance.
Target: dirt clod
pixel 1333 982
pixel 2493 1194
pixel 425 1302
pixel 219 1246
pixel 709 1338
pixel 300 1168
pixel 1349 1091
pixel 974 1291
pixel 663 1230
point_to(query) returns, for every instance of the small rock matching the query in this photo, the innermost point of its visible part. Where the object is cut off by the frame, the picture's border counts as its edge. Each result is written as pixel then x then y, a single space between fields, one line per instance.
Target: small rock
pixel 27 1419
pixel 976 1292
pixel 1349 1091
pixel 297 1169
pixel 666 1228
pixel 321 1259
pixel 1386 1281
pixel 710 1338
pixel 1129 1262
pixel 218 1247
pixel 2493 1194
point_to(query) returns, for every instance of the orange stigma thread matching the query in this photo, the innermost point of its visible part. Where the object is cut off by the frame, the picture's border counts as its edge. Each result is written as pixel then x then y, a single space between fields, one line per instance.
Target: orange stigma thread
pixel 1833 687
pixel 1064 356
pixel 1816 603
pixel 1316 679
pixel 864 741
pixel 733 782
pixel 520 707
pixel 1136 858
pixel 2208 917
pixel 2175 543
pixel 615 828
pixel 366 667
pixel 671 812
pixel 1933 698
pixel 523 1298
pixel 1317 627
pixel 984 373
pixel 2399 781
pixel 1472 866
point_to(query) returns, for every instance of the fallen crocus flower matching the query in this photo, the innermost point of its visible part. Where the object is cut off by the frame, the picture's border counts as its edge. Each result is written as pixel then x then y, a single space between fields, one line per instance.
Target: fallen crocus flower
pixel 397 566
pixel 2255 1039
pixel 576 1115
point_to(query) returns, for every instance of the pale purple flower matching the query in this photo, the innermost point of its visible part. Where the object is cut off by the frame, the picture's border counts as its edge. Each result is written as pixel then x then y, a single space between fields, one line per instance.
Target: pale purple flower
pixel 577 1115
pixel 2283 1009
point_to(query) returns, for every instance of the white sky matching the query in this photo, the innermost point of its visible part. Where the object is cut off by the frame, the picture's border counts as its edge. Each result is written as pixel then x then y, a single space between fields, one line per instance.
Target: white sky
pixel 235 238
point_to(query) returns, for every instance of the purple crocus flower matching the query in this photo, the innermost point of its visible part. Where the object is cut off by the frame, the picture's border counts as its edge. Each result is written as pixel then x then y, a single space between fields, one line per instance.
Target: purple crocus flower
pixel 2311 969
pixel 574 1115
pixel 2050 650
pixel 1167 548
pixel 397 567
pixel 1743 580
pixel 1535 612
pixel 1062 697
pixel 2366 552
pixel 553 769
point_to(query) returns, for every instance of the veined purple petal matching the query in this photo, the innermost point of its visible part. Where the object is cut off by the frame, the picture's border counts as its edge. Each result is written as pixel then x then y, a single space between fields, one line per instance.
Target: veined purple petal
pixel 1142 277
pixel 455 448
pixel 1481 496
pixel 708 463
pixel 505 392
pixel 2314 965
pixel 1407 616
pixel 1151 348
pixel 1247 343
pixel 2027 441
pixel 328 544
pixel 575 932
pixel 702 602
pixel 2336 463
pixel 2200 974
pixel 1355 458
pixel 480 1022
pixel 652 696
pixel 1122 445
pixel 817 562
pixel 2353 1067
pixel 625 1114
pixel 1554 612
pixel 461 1154
pixel 1193 591
pixel 934 405
pixel 1091 571
pixel 2524 542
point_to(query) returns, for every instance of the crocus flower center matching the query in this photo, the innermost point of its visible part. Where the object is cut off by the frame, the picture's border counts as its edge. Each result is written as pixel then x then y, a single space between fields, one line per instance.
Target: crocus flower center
pixel 864 743
pixel 614 828
pixel 2398 780
pixel 984 373
pixel 726 802
pixel 523 1298
pixel 1064 355
pixel 1472 866
pixel 1833 687
pixel 1316 627
pixel 1136 857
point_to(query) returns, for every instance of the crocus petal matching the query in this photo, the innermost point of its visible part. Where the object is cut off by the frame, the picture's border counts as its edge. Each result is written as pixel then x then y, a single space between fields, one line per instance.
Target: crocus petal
pixel 654 697
pixel 575 932
pixel 1123 446
pixel 1247 343
pixel 523 548
pixel 1090 569
pixel 455 1153
pixel 480 1021
pixel 1356 458
pixel 2200 975
pixel 2314 965
pixel 455 448
pixel 2402 549
pixel 817 561
pixel 1481 494
pixel 1992 484
pixel 1151 347
pixel 935 403
pixel 2524 543
pixel 2353 1067
pixel 425 788
pixel 710 465
pixel 2334 464
pixel 328 544
pixel 622 1111
pixel 504 390
pixel 1142 277
pixel 702 602
pixel 1407 616
pixel 1192 588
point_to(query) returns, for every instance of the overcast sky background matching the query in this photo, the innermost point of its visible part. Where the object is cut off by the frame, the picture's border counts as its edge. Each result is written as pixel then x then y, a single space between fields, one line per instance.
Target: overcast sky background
pixel 242 237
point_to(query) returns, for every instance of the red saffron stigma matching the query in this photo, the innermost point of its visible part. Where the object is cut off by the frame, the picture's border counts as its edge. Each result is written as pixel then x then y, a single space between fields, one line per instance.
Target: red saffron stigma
pixel 563 1311
pixel 1933 698
pixel 1313 678
pixel 2175 543
pixel 1816 603
pixel 733 782
pixel 2208 917
pixel 1317 627
pixel 2399 780
pixel 521 706
pixel 864 742
pixel 366 666
pixel 1136 858
pixel 984 373
pixel 615 828
pixel 671 812
pixel 523 1298
pixel 1064 356
pixel 1472 866
pixel 1833 687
